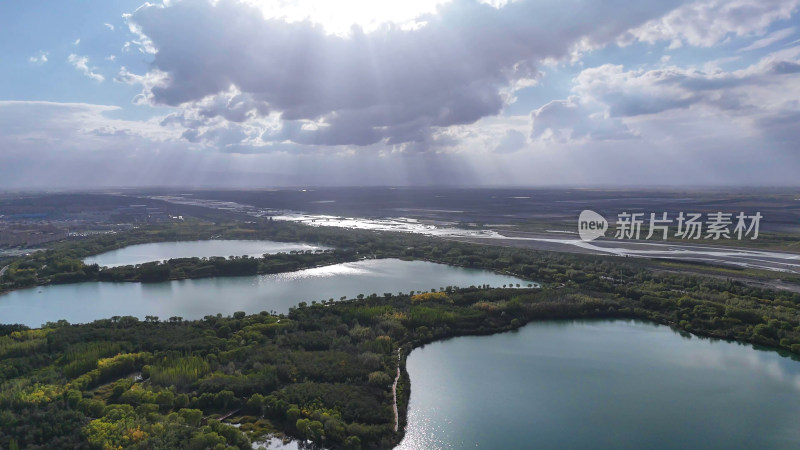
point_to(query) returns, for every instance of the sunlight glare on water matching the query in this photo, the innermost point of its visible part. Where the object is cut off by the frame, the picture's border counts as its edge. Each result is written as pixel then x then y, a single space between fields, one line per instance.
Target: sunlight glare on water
pixel 322 272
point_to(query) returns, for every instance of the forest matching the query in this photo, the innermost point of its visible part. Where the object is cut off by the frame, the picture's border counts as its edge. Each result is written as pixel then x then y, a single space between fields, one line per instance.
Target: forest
pixel 323 372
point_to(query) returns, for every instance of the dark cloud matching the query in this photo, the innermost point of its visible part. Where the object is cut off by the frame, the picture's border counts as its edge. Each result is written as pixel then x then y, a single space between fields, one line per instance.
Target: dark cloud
pixel 785 67
pixel 389 85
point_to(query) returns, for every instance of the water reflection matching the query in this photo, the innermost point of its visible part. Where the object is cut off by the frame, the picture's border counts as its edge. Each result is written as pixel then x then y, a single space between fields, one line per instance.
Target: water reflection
pixel 723 357
pixel 323 272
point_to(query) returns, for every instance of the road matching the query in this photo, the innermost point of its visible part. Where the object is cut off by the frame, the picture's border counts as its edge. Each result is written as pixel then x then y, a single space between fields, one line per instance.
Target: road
pixel 394 394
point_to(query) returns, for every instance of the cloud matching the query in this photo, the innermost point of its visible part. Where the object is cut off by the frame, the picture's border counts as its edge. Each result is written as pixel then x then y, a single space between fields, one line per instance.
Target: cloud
pixel 77 42
pixel 109 26
pixel 642 92
pixel 49 144
pixel 707 22
pixel 770 39
pixel 52 122
pixel 41 58
pixel 513 141
pixel 148 81
pixel 683 106
pixel 59 145
pixel 78 145
pixel 389 86
pixel 569 120
pixel 81 64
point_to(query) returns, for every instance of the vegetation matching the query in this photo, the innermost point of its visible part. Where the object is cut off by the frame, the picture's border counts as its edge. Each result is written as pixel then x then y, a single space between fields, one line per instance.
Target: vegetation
pixel 63 262
pixel 324 371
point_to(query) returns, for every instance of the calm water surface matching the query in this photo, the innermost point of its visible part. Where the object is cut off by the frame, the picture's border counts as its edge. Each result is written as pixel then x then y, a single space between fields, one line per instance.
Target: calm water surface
pixel 600 384
pixel 160 251
pixel 193 299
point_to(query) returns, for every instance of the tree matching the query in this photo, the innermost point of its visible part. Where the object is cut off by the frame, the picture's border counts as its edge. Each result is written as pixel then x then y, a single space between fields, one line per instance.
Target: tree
pixel 181 401
pixel 224 399
pixel 352 443
pixel 165 400
pixel 311 429
pixel 256 404
pixel 379 379
pixel 192 417
pixel 293 413
pixel 335 430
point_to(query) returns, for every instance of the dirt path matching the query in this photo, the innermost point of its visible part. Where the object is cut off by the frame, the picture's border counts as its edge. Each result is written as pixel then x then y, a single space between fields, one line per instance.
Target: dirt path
pixel 394 394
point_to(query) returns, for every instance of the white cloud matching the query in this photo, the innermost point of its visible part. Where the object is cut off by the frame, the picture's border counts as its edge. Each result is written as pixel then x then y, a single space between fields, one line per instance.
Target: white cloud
pixel 149 81
pixel 678 104
pixel 53 121
pixel 707 22
pixel 770 39
pixel 41 58
pixel 569 120
pixel 340 17
pixel 109 26
pixel 77 42
pixel 81 64
pixel 641 92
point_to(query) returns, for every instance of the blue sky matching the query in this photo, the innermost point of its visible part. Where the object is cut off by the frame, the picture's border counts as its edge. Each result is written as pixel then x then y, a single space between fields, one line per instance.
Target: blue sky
pixel 250 93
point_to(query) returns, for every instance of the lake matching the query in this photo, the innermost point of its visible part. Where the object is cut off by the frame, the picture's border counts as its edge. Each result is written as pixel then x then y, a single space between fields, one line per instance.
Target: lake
pixel 160 251
pixel 193 299
pixel 600 384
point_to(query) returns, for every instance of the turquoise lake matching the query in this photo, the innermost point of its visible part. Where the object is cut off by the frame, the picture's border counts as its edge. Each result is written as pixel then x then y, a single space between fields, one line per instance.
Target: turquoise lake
pixel 600 384
pixel 193 299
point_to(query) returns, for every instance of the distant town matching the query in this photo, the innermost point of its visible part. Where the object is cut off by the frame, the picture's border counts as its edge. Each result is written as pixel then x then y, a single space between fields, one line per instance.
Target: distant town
pixel 24 229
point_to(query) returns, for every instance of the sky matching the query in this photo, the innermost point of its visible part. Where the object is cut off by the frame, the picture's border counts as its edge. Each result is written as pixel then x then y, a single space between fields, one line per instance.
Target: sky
pixel 257 93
